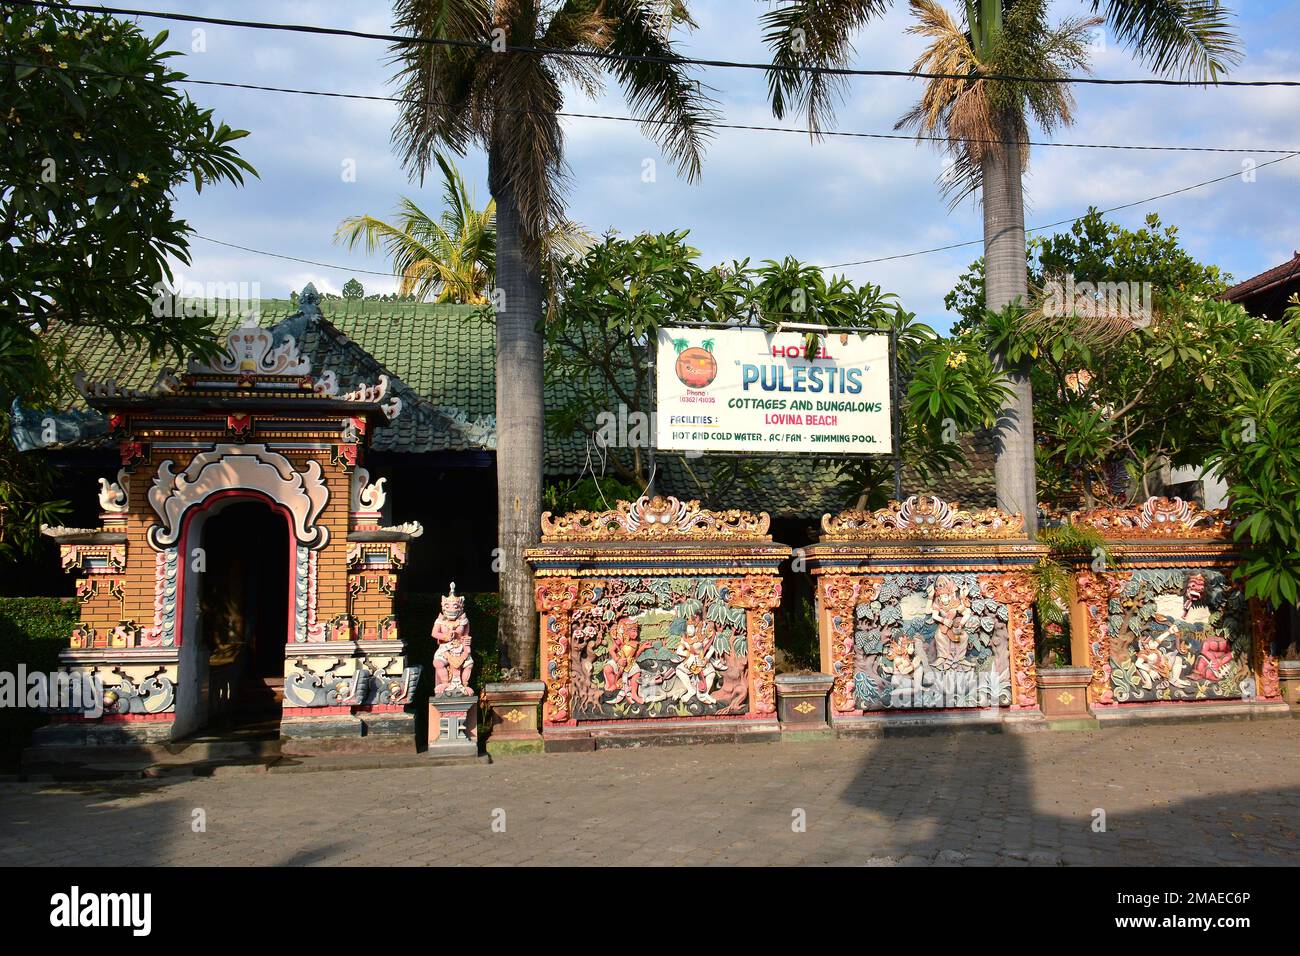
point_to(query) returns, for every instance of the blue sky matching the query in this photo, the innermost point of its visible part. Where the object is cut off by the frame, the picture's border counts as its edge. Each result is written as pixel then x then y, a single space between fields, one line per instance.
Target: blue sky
pixel 762 195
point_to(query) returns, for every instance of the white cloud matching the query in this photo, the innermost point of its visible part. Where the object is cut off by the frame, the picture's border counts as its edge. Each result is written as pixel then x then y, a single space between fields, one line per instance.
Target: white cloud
pixel 762 194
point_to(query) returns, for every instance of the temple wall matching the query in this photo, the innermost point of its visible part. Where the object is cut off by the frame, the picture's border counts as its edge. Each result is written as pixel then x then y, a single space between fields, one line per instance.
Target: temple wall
pixel 924 607
pixel 1163 621
pixel 656 617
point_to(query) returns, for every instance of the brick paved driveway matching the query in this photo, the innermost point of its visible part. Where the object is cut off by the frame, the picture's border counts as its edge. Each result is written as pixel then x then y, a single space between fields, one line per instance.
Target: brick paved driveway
pixel 1194 794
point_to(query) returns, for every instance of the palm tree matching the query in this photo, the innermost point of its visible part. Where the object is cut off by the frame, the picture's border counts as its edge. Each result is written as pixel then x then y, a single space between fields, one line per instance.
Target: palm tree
pixel 985 122
pixel 505 101
pixel 451 258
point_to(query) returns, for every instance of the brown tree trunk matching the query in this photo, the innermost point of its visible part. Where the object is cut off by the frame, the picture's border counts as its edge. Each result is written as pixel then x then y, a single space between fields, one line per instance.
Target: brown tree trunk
pixel 520 421
pixel 1006 279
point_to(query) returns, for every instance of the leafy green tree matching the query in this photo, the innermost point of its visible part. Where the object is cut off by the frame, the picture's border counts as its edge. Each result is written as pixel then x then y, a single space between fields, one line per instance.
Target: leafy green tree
pixel 1259 456
pixel 983 123
pixel 1118 391
pixel 98 139
pixel 1096 250
pixel 599 341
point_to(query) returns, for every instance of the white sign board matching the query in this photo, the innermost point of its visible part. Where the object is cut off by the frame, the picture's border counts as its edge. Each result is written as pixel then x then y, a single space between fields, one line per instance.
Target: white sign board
pixel 751 390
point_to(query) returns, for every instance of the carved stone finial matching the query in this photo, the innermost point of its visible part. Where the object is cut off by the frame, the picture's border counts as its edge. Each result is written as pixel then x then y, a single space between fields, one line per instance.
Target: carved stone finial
pixel 921 516
pixel 367 496
pixel 113 495
pixel 1157 517
pixel 309 302
pixel 656 519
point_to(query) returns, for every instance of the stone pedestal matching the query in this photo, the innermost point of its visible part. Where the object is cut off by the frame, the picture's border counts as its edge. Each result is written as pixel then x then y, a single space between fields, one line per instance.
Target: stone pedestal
pixel 1063 696
pixel 511 716
pixel 1289 679
pixel 801 704
pixel 453 725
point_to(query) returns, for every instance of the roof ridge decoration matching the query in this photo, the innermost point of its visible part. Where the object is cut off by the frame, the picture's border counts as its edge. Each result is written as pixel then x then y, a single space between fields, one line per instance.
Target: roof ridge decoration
pixel 655 519
pixel 1157 517
pixel 922 516
pixel 251 349
pixel 253 359
pixel 167 383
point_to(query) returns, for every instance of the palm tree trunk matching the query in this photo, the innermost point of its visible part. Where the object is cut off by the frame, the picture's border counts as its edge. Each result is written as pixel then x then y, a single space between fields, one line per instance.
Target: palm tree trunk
pixel 520 418
pixel 1006 279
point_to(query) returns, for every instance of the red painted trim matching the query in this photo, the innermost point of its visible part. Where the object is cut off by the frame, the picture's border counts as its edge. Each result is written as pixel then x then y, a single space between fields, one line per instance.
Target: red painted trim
pixel 184 546
pixel 314 711
pixel 380 708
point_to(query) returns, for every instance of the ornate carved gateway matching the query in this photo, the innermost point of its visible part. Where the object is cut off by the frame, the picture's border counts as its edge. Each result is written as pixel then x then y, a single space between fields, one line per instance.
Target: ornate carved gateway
pixel 656 617
pixel 253 425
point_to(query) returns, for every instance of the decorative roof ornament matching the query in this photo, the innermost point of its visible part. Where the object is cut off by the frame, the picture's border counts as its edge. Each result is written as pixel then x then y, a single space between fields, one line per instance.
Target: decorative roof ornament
pixel 256 364
pixel 367 496
pixel 411 529
pixel 251 350
pixel 375 394
pixel 166 383
pixel 61 533
pixel 309 302
pixel 656 519
pixel 1157 517
pixel 113 495
pixel 922 516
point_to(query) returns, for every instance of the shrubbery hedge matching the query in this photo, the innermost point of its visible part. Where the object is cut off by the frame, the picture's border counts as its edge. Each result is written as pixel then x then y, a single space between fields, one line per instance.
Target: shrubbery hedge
pixel 32 632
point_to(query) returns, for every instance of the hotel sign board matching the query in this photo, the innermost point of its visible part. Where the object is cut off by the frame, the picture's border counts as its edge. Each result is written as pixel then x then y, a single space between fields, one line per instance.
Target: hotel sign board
pixel 750 390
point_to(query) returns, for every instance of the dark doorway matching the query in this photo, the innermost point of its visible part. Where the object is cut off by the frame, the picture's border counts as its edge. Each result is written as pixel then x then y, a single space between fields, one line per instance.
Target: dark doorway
pixel 244 595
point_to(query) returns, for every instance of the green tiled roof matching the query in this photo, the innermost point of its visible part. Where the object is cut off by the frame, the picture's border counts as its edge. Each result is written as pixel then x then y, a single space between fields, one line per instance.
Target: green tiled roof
pixel 440 359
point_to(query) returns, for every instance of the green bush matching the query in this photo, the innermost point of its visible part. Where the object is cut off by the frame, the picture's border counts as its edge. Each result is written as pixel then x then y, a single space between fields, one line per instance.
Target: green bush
pixel 32 632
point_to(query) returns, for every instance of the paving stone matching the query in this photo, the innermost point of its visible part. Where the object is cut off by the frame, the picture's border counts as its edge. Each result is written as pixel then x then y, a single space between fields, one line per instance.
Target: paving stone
pixel 1173 796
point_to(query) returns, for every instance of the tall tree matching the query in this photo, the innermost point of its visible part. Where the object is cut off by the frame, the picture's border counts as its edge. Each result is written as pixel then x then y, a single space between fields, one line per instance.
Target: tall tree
pixel 484 90
pixel 99 138
pixel 985 121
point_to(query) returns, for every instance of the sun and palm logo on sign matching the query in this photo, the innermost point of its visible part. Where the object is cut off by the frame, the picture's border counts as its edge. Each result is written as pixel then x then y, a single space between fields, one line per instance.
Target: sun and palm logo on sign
pixel 696 366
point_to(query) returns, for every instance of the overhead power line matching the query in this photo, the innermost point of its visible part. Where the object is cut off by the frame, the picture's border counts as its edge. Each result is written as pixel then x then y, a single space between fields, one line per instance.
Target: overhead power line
pixel 837 265
pixel 398 39
pixel 1059 222
pixel 710 124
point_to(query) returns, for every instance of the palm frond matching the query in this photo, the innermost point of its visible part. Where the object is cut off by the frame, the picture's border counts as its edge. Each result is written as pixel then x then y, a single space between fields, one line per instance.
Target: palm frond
pixel 437 83
pixel 957 109
pixel 1188 38
pixel 527 146
pixel 812 33
pixel 675 108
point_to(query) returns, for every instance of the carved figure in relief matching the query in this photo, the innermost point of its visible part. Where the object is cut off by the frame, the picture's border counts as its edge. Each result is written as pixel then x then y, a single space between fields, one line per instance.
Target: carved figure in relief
pixel 452 662
pixel 621 671
pixel 907 677
pixel 950 609
pixel 696 670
